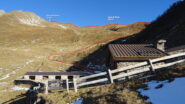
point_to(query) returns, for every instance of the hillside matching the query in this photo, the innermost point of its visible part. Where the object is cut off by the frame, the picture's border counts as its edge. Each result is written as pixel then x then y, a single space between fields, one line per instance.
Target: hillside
pixel 169 26
pixel 26 41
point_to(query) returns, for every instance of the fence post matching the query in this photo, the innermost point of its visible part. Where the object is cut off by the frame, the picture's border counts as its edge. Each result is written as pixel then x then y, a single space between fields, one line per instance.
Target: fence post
pixel 46 87
pixel 110 76
pixel 126 77
pixel 67 84
pixel 75 85
pixel 151 66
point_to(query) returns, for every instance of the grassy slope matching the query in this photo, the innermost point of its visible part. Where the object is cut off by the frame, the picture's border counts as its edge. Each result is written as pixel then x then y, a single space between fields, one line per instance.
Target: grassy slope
pixel 26 48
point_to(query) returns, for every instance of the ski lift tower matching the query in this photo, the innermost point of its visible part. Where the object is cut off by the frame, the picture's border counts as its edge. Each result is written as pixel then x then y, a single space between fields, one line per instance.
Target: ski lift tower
pixel 51 16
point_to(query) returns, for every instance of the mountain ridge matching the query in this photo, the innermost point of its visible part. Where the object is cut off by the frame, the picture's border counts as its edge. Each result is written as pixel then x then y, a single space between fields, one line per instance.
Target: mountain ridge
pixel 169 26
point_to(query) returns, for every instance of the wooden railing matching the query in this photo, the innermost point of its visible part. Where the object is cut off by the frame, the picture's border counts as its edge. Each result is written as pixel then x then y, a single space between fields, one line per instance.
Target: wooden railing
pixel 125 72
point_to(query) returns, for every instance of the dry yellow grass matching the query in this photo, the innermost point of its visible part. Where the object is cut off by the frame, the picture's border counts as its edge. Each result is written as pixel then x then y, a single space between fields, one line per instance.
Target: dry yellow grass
pixel 107 94
pixel 26 48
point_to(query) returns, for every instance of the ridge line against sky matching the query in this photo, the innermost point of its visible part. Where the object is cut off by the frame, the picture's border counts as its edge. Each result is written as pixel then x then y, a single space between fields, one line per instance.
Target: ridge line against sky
pixel 92 12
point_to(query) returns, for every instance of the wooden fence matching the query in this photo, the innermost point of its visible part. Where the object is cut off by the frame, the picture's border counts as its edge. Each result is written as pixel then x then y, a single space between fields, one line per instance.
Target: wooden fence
pixel 111 75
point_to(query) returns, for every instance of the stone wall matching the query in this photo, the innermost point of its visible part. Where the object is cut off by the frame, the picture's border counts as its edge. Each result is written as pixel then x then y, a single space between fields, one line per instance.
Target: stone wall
pixel 125 64
pixel 177 51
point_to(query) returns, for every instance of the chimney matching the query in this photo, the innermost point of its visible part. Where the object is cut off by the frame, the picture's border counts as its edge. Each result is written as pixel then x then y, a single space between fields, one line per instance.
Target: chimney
pixel 161 45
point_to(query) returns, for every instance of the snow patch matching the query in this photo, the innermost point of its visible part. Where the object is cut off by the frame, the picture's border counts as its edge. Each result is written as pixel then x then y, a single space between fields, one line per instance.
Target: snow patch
pixel 26 50
pixel 5 77
pixel 34 41
pixel 14 49
pixel 39 57
pixel 3 83
pixel 124 40
pixel 29 61
pixel 97 72
pixel 170 93
pixel 18 88
pixel 78 101
pixel 62 26
pixel 14 72
pixel 61 50
pixel 2 12
pixel 28 18
pixel 30 21
pixel 99 67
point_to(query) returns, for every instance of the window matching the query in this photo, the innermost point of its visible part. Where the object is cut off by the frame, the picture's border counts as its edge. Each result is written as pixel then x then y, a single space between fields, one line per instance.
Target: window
pixel 70 77
pixel 32 77
pixel 58 77
pixel 45 77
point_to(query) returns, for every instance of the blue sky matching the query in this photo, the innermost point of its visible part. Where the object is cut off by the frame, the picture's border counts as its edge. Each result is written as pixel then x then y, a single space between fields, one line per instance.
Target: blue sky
pixel 92 12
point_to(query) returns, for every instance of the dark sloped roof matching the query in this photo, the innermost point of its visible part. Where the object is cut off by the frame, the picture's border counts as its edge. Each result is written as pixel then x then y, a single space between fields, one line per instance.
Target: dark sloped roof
pixel 134 51
pixel 57 73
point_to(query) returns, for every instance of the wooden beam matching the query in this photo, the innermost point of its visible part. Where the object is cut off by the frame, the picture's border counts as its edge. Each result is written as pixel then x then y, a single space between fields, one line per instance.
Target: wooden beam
pixel 110 76
pixel 93 82
pixel 75 85
pixel 92 76
pixel 130 73
pixel 151 65
pixel 129 67
pixel 46 87
pixel 126 77
pixel 147 69
pixel 169 64
pixel 145 63
pixel 67 84
pixel 168 57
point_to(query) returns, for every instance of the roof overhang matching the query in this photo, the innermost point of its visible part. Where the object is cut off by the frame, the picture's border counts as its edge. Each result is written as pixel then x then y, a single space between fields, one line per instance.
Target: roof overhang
pixel 134 52
pixel 57 73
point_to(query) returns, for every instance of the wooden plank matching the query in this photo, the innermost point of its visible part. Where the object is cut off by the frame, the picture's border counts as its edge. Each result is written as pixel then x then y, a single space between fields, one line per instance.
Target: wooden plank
pixel 92 82
pixel 130 67
pixel 145 63
pixel 169 64
pixel 151 65
pixel 110 76
pixel 131 73
pixel 75 85
pixel 92 76
pixel 146 69
pixel 67 84
pixel 168 57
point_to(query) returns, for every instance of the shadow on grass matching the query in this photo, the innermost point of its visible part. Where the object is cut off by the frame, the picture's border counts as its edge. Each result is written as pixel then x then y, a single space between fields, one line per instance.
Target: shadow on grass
pixel 30 97
pixel 26 98
pixel 97 60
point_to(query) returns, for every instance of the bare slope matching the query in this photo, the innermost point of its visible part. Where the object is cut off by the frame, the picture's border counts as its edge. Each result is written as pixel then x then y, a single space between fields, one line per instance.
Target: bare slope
pixel 169 26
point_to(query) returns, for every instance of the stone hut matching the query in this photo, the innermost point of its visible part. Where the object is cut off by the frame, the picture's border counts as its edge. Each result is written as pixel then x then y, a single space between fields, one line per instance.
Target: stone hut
pixel 39 76
pixel 122 55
